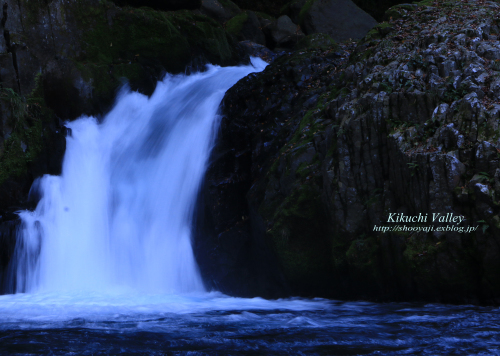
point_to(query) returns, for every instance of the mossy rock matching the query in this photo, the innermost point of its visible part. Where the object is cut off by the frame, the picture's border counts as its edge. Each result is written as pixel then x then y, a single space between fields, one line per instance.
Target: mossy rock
pixel 104 42
pixel 377 9
pixel 98 47
pixel 30 138
pixel 246 26
pixel 399 11
pixel 169 39
pixel 362 253
pixel 299 238
pixel 162 5
pixel 143 43
pixel 378 32
pixel 235 25
pixel 231 6
pixel 316 40
pixel 420 253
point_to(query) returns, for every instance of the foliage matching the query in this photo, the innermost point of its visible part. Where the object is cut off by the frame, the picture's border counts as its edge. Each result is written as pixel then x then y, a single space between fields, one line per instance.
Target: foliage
pixel 25 142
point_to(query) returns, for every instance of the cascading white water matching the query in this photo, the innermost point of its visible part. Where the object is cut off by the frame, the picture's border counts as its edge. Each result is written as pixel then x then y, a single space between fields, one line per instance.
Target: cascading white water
pixel 120 214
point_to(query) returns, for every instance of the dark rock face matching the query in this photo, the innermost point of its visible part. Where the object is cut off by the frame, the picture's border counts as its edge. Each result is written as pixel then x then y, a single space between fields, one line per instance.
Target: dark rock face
pixel 285 34
pixel 247 141
pixel 246 26
pixel 256 50
pixel 341 19
pixel 228 219
pixel 318 150
pixel 316 40
pixel 218 11
pixel 229 245
pixel 269 7
pixel 162 5
pixel 9 223
pixel 375 9
pixel 64 59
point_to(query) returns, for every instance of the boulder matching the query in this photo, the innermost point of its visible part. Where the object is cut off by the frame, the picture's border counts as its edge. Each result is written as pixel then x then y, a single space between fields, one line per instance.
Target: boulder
pixel 163 5
pixel 316 40
pixel 218 11
pixel 318 150
pixel 267 24
pixel 246 26
pixel 341 19
pixel 263 6
pixel 293 8
pixel 285 33
pixel 257 50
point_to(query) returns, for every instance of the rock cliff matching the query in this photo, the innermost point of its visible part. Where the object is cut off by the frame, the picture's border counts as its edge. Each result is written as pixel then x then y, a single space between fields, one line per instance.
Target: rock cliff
pixel 316 156
pixel 317 151
pixel 61 59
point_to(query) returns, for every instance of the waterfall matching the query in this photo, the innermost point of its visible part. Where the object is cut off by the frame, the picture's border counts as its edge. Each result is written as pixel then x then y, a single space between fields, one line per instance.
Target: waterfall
pixel 120 214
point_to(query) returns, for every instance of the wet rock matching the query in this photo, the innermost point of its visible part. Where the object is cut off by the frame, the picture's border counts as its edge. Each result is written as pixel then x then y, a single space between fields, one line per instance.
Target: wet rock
pixel 405 123
pixel 9 224
pixel 258 50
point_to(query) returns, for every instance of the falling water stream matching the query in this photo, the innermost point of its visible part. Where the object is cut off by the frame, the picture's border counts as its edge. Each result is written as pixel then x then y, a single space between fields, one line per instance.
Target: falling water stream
pixel 104 264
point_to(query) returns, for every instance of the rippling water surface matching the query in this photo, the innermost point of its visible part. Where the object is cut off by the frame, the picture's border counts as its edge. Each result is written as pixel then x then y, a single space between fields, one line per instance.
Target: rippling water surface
pixel 213 324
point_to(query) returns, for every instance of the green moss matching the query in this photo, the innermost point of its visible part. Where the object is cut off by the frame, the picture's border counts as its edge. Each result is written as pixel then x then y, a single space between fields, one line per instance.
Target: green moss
pixel 235 25
pixel 305 9
pixel 377 8
pixel 316 40
pixel 419 249
pixel 424 3
pixel 298 234
pixel 305 170
pixel 378 32
pixel 285 9
pixel 362 253
pixel 150 34
pixel 340 245
pixel 31 9
pixel 332 149
pixel 371 35
pixel 144 40
pixel 398 11
pixel 26 117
